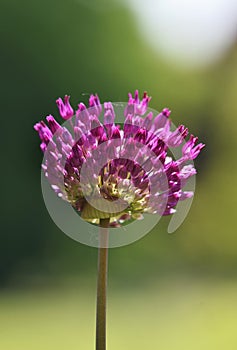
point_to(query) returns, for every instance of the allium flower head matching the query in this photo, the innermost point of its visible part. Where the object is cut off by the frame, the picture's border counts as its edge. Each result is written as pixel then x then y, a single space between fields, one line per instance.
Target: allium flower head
pixel 109 169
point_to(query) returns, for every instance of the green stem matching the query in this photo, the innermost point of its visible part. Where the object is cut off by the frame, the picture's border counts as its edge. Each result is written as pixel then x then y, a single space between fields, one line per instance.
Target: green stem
pixel 102 286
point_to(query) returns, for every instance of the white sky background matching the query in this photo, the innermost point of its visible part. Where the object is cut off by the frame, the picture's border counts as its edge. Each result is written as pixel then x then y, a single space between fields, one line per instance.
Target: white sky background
pixel 187 31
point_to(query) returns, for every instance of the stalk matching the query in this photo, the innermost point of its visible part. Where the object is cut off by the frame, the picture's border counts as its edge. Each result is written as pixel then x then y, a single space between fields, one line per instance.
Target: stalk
pixel 102 286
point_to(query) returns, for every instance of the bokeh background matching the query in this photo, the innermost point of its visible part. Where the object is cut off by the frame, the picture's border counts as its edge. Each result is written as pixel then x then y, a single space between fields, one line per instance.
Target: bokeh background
pixel 165 291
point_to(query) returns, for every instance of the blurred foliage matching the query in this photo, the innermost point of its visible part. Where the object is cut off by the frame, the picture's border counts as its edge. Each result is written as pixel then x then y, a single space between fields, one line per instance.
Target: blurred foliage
pixel 177 314
pixel 51 48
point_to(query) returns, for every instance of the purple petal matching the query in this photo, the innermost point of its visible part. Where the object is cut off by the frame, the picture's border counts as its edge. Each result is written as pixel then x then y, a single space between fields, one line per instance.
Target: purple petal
pixel 53 125
pixel 65 109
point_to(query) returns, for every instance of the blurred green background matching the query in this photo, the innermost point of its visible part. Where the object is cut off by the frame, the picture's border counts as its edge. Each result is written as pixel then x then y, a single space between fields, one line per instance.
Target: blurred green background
pixel 165 291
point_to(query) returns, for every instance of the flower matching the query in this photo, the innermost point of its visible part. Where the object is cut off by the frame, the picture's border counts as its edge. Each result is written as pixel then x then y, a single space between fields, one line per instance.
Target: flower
pixel 117 170
pixel 65 108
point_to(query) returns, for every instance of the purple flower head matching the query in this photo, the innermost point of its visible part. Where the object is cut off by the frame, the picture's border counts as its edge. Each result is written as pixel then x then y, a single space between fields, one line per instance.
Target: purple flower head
pixel 108 169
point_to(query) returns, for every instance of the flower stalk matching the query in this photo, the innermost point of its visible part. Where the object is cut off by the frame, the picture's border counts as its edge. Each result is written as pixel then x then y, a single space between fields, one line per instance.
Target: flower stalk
pixel 102 286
